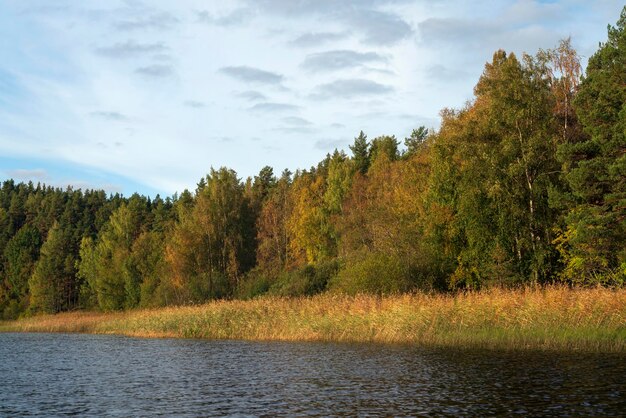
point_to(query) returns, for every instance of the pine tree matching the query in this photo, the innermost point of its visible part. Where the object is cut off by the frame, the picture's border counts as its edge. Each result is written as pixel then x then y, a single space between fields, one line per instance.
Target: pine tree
pixel 595 168
pixel 416 140
pixel 50 274
pixel 361 153
pixel 384 145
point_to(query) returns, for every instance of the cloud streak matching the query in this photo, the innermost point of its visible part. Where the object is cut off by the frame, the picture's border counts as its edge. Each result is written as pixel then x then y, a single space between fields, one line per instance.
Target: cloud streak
pixel 373 25
pixel 251 95
pixel 252 75
pixel 237 17
pixel 270 107
pixel 156 71
pixel 28 174
pixel 155 21
pixel 328 145
pixel 296 121
pixel 110 116
pixel 130 49
pixel 350 88
pixel 380 28
pixel 340 59
pixel 312 39
pixel 194 104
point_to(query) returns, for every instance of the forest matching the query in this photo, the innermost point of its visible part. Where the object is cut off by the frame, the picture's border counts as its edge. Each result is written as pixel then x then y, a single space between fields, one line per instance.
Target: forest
pixel 525 185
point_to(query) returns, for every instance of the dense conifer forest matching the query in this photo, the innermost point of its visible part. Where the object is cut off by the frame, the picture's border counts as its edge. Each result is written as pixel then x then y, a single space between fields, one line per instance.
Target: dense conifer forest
pixel 524 185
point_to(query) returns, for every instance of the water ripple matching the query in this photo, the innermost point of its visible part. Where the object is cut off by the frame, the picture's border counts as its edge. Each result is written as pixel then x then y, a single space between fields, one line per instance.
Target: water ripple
pixel 92 375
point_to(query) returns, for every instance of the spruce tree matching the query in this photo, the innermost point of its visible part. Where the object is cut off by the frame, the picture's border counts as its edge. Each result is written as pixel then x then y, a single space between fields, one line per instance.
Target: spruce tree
pixel 595 168
pixel 360 153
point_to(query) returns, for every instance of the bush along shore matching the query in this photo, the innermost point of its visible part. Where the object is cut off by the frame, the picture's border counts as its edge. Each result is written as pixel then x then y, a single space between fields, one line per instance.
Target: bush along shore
pixel 550 318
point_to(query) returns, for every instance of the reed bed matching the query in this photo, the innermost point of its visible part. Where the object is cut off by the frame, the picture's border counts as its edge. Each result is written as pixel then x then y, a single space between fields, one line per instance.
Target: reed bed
pixel 551 318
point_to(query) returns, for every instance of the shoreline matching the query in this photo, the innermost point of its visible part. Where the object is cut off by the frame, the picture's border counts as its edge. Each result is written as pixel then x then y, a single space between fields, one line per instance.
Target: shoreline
pixel 550 318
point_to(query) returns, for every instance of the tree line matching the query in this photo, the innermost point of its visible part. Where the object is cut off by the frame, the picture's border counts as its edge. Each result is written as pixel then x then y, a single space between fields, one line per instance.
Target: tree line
pixel 526 184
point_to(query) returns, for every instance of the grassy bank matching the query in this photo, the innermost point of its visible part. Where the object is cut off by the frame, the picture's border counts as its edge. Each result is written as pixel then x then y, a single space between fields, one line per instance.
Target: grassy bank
pixel 551 318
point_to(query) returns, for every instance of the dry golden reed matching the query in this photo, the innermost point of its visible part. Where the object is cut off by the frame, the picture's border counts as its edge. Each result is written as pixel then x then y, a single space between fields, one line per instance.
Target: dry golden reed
pixel 555 318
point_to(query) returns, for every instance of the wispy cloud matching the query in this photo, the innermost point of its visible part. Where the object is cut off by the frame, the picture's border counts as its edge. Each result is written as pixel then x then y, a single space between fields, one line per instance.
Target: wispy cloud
pixel 350 88
pixel 296 121
pixel 28 174
pixel 251 95
pixel 295 129
pixel 235 18
pixel 365 17
pixel 131 49
pixel 444 73
pixel 194 104
pixel 223 138
pixel 252 75
pixel 380 28
pixel 464 34
pixel 110 116
pixel 273 107
pixel 156 70
pixel 330 144
pixel 312 39
pixel 340 59
pixel 157 21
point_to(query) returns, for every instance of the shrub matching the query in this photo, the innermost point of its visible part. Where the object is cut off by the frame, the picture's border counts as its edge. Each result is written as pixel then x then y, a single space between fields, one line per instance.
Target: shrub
pixel 255 284
pixel 306 281
pixel 375 273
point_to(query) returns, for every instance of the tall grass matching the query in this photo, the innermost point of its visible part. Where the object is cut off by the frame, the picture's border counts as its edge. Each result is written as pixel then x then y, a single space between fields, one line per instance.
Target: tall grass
pixel 548 318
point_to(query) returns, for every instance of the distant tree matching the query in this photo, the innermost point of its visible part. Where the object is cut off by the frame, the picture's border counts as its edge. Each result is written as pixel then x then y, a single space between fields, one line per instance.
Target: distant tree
pixel 361 153
pixel 416 140
pixel 338 182
pixel 272 235
pixel 595 169
pixel 264 182
pixel 565 73
pixel 107 266
pixel 309 226
pixel 52 271
pixel 384 145
pixel 206 249
pixel 493 164
pixel 21 254
pixel 148 262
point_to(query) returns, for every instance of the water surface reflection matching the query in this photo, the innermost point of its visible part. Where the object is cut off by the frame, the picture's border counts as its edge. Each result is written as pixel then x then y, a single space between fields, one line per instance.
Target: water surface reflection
pixel 117 376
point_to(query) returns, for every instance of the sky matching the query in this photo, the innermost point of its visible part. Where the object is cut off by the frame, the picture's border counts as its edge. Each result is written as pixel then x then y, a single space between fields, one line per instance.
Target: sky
pixel 146 96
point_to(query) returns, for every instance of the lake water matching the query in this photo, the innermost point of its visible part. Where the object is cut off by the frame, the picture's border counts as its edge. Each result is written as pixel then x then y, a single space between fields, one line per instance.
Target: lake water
pixel 86 375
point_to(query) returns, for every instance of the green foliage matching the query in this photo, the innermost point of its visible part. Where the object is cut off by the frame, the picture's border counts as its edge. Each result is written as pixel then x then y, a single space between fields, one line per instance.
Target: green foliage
pixel 272 252
pixel 53 271
pixel 305 281
pixel 384 145
pixel 338 182
pixel 148 263
pixel 592 243
pixel 20 254
pixel 256 283
pixel 13 310
pixel 416 141
pixel 311 233
pixel 494 163
pixel 206 251
pixel 376 273
pixel 107 265
pixel 361 153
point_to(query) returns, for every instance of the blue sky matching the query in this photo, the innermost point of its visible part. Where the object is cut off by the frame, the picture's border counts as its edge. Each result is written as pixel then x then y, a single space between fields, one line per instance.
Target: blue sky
pixel 147 96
